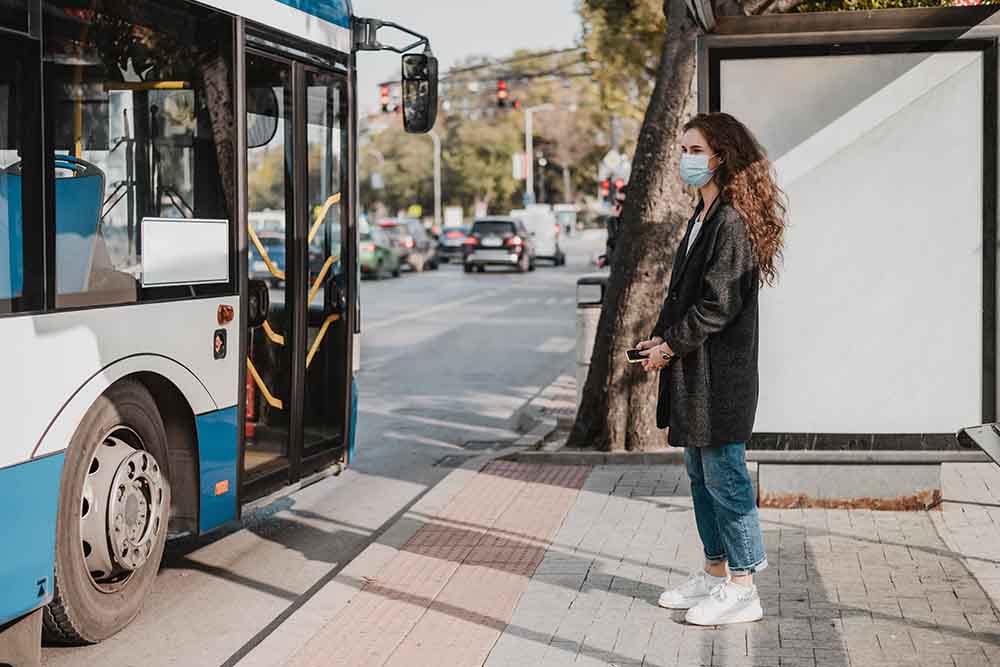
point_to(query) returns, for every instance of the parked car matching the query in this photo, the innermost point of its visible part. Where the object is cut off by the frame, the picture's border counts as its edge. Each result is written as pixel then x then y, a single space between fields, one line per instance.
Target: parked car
pixel 450 243
pixel 499 242
pixel 274 246
pixel 378 256
pixel 416 247
pixel 545 232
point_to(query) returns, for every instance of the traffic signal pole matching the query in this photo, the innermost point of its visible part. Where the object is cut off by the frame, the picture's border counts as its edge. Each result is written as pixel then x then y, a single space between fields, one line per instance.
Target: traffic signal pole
pixel 437 178
pixel 529 150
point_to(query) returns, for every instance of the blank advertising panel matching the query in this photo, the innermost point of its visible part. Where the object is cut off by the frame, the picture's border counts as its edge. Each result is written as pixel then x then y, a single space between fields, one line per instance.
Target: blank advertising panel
pixel 176 251
pixel 876 324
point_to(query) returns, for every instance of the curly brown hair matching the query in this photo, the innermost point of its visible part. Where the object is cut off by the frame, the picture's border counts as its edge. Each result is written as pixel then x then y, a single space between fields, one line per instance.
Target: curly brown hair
pixel 748 183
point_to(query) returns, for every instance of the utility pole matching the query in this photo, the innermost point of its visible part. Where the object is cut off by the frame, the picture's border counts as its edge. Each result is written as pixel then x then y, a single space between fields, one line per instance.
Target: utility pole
pixel 529 150
pixel 437 177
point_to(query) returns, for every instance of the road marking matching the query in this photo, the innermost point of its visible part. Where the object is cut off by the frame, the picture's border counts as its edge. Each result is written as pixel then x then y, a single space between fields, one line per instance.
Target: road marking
pixel 425 312
pixel 556 344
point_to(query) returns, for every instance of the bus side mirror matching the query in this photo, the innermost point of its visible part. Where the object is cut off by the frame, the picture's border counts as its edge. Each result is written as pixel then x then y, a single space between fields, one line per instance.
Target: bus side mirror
pixel 420 92
pixel 258 303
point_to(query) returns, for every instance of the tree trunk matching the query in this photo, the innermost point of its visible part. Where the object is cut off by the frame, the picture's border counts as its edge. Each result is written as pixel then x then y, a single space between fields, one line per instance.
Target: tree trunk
pixel 618 410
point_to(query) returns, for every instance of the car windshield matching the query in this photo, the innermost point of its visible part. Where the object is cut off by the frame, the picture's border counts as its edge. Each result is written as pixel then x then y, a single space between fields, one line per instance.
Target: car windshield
pixel 493 227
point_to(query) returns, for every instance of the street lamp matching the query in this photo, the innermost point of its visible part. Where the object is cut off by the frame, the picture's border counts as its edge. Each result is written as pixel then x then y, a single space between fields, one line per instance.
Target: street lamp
pixel 529 152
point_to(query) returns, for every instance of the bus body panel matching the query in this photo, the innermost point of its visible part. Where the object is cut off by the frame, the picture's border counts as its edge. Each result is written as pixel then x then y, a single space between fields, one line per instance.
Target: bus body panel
pixel 218 452
pixel 66 359
pixel 325 22
pixel 29 501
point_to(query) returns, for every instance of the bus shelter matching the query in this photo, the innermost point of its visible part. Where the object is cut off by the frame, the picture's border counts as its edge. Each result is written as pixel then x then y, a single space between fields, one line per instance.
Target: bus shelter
pixel 882 128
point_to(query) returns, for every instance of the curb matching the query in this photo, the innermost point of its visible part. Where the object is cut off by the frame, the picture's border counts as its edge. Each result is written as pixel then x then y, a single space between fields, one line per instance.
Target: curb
pixel 321 608
pixel 785 457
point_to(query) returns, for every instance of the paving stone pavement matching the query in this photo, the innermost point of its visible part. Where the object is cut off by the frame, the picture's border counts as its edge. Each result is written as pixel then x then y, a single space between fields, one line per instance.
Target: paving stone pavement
pixel 969 520
pixel 844 587
pixel 445 597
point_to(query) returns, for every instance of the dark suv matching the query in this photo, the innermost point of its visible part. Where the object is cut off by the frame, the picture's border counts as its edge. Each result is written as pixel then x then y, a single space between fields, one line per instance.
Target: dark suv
pixel 416 247
pixel 499 242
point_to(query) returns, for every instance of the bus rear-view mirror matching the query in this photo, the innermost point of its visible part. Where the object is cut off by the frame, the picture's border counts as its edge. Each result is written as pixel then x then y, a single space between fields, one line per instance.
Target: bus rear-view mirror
pixel 420 92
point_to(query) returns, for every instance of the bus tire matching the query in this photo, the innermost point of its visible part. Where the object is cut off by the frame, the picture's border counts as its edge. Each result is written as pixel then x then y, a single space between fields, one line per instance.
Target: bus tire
pixel 121 444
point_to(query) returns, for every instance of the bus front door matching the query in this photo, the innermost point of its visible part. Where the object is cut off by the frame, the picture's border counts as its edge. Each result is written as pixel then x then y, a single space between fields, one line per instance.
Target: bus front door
pixel 298 362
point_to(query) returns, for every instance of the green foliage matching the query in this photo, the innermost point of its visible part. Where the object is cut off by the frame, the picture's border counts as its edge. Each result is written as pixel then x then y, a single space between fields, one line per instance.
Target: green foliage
pixel 479 139
pixel 407 172
pixel 624 39
pixel 266 180
pixel 865 5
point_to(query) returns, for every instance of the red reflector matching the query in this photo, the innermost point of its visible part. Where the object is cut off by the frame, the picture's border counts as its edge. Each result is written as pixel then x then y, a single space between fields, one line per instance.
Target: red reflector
pixel 514 241
pixel 224 314
pixel 472 240
pixel 222 488
pixel 368 248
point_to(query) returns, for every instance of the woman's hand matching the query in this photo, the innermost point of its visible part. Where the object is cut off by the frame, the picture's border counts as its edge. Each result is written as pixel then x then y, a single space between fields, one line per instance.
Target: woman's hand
pixel 657 357
pixel 647 344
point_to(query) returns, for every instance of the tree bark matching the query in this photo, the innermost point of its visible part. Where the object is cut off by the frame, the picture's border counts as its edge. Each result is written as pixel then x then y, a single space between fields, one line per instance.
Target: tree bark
pixel 618 409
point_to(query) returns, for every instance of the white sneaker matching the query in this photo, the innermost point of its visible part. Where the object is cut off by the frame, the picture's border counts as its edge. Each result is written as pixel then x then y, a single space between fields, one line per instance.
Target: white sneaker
pixel 727 603
pixel 691 592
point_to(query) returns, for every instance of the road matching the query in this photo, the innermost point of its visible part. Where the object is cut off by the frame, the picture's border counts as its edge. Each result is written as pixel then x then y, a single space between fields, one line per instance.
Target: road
pixel 447 360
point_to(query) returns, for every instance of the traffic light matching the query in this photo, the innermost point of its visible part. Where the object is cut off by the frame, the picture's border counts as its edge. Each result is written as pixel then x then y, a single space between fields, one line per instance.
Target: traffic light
pixel 605 190
pixel 502 94
pixel 619 184
pixel 384 94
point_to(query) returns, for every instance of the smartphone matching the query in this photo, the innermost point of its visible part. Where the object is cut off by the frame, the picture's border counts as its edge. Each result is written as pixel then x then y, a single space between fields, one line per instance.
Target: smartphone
pixel 634 356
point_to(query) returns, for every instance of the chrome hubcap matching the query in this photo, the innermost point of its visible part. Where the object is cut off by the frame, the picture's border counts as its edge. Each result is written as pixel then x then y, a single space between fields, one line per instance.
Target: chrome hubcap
pixel 121 512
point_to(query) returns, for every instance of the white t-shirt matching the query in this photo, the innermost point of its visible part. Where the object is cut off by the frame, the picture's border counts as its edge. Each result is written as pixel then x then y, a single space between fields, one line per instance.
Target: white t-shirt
pixel 694 235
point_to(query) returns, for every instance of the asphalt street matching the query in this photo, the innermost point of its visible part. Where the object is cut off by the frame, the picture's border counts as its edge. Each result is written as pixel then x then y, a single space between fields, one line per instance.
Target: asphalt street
pixel 447 360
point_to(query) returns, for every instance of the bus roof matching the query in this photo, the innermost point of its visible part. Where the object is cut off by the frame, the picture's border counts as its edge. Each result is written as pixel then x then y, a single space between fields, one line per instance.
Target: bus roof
pixel 326 22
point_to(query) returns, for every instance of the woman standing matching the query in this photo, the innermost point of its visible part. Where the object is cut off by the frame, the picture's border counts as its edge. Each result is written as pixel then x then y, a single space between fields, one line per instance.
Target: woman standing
pixel 706 340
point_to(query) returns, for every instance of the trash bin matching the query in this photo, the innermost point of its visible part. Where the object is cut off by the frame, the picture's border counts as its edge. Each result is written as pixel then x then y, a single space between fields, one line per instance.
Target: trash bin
pixel 589 298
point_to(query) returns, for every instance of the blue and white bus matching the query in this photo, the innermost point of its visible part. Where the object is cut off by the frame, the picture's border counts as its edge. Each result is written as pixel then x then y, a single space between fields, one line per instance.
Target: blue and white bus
pixel 178 280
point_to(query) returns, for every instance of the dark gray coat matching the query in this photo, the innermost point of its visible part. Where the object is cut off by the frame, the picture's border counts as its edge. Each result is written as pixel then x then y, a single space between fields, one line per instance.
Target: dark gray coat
pixel 708 394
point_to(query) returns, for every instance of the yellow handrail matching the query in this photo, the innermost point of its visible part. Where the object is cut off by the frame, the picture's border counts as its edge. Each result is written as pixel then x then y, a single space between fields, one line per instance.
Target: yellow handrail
pixel 273 335
pixel 330 201
pixel 319 279
pixel 146 85
pixel 319 337
pixel 268 396
pixel 275 271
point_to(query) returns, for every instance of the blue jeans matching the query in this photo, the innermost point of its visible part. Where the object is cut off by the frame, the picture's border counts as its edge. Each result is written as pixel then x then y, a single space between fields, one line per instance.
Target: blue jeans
pixel 725 506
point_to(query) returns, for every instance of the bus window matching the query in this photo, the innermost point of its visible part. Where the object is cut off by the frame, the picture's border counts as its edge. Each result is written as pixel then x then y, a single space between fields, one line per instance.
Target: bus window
pixel 12 213
pixel 326 369
pixel 14 15
pixel 140 103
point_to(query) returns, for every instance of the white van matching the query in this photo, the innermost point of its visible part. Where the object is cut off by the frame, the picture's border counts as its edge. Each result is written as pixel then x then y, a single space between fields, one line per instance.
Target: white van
pixel 544 228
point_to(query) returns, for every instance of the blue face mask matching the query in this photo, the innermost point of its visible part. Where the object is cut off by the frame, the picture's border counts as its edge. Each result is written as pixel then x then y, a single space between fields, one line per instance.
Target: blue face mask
pixel 694 169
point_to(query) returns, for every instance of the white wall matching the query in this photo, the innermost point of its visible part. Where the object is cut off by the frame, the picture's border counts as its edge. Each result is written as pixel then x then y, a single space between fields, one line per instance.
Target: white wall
pixel 876 325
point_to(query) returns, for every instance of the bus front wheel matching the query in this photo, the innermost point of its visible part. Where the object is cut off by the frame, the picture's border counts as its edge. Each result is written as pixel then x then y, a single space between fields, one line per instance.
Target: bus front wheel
pixel 114 505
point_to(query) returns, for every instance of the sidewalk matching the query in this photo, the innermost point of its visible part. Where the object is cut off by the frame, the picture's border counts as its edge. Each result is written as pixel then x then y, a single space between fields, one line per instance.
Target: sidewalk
pixel 526 564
